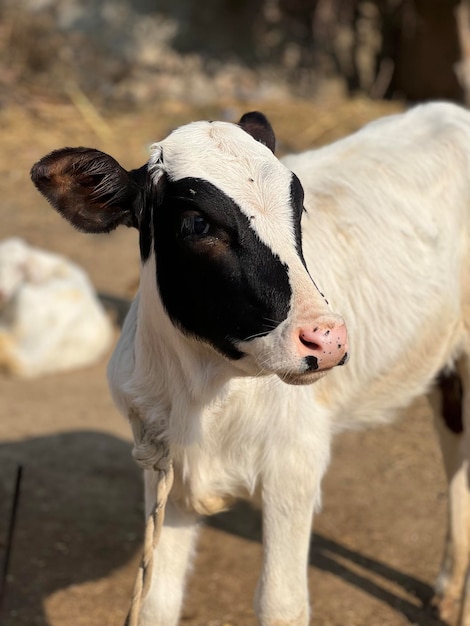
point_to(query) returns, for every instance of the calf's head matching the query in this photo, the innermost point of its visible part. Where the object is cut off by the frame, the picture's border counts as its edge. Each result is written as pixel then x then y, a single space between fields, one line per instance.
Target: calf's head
pixel 219 221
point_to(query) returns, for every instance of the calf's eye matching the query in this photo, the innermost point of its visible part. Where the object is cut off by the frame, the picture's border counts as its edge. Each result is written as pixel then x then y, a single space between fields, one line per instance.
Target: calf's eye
pixel 194 225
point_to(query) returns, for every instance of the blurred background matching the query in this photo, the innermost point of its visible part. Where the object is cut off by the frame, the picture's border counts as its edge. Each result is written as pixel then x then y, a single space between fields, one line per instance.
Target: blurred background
pixel 118 75
pixel 125 53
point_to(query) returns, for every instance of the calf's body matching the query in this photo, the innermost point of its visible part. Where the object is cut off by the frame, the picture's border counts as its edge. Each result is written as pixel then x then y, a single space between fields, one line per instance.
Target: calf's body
pixel 231 307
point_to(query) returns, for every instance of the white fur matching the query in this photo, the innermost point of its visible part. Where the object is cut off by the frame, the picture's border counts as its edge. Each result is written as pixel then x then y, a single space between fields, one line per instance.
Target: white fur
pixel 50 318
pixel 386 238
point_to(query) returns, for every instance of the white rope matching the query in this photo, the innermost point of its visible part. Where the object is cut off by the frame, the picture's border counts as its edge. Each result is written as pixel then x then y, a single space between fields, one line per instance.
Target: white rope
pixel 154 523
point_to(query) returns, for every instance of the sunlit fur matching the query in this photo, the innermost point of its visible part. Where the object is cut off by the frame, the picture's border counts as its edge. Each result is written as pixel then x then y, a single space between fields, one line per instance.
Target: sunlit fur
pixel 386 239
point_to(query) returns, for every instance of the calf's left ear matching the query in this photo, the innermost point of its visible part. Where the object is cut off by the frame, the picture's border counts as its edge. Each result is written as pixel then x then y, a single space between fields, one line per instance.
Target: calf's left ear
pixel 87 187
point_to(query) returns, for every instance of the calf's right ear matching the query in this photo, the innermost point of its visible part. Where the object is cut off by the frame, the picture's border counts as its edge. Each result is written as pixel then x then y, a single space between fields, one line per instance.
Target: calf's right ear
pixel 87 187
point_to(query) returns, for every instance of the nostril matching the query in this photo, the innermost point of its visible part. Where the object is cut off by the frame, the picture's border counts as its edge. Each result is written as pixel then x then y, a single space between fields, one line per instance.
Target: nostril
pixel 311 345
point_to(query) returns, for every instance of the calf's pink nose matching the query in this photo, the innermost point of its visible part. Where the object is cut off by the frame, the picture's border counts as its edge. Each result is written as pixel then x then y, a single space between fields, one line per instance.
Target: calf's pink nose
pixel 325 345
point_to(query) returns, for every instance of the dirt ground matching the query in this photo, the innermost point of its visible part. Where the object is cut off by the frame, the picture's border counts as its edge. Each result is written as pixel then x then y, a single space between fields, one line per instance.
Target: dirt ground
pixel 377 542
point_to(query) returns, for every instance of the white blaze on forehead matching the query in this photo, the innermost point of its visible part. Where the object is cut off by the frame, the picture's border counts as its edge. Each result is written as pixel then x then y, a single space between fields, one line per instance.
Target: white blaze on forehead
pixel 244 169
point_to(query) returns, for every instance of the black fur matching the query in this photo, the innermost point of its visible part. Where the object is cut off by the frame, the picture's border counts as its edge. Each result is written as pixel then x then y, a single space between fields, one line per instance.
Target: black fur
pixel 224 286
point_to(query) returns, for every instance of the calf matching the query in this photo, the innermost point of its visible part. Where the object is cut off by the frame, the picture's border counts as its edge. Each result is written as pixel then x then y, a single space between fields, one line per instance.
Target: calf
pixel 231 308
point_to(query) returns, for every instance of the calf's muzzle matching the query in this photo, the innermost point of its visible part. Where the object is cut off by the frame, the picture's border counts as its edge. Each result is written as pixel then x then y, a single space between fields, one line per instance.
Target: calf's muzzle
pixel 324 345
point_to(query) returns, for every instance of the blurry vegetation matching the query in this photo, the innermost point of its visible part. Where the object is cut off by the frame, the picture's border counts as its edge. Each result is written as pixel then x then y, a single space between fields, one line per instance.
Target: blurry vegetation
pixel 124 52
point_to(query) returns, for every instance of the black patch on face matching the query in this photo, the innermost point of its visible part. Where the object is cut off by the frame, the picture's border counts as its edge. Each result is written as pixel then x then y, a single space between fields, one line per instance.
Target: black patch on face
pixel 218 281
pixel 297 202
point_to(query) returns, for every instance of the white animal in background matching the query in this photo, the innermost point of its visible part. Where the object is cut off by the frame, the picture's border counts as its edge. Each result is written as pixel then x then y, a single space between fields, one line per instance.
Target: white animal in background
pixel 50 317
pixel 229 311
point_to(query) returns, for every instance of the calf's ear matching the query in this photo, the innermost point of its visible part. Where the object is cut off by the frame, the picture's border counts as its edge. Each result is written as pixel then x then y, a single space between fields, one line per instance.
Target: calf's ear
pixel 257 125
pixel 87 187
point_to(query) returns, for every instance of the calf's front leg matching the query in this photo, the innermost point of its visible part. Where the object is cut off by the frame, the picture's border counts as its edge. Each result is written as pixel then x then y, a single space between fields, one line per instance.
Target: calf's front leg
pixel 282 594
pixel 162 603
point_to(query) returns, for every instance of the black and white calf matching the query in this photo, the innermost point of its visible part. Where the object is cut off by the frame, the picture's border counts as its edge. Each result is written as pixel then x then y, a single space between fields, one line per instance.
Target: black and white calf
pixel 230 308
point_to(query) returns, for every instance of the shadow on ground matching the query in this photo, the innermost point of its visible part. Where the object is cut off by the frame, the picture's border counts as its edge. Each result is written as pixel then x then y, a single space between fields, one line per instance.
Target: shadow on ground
pixel 330 556
pixel 79 517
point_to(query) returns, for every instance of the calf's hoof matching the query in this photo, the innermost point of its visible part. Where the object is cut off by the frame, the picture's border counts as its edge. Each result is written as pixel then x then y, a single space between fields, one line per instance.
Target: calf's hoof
pixel 448 609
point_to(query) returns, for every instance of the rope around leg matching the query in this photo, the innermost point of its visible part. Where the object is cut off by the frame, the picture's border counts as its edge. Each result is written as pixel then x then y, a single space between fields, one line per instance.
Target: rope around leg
pixel 143 452
pixel 152 535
